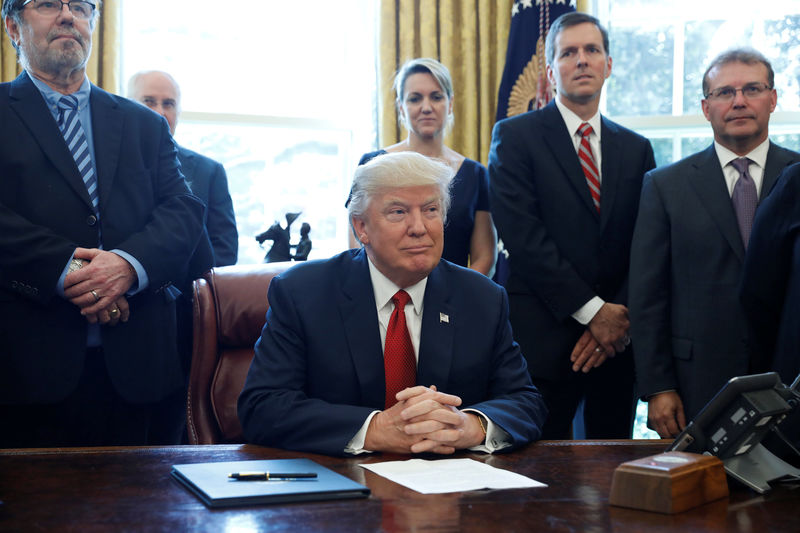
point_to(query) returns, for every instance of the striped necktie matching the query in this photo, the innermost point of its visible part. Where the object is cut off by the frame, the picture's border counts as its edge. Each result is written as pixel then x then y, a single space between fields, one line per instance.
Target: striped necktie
pixel 71 128
pixel 588 164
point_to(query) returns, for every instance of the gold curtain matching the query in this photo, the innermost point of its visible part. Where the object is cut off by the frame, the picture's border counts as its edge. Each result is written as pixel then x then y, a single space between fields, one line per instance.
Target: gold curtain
pixel 103 63
pixel 470 39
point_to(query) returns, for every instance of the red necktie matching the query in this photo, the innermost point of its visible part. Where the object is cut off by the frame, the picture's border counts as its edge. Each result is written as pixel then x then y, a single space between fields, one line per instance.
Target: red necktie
pixel 399 362
pixel 588 164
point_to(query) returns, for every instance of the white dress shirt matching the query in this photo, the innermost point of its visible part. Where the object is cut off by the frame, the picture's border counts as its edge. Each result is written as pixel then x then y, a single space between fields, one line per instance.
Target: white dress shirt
pixel 758 161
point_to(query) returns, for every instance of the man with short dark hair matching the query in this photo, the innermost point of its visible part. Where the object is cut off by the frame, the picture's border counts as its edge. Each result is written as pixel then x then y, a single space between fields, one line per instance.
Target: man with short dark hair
pixel 95 223
pixel 564 186
pixel 390 348
pixel 689 245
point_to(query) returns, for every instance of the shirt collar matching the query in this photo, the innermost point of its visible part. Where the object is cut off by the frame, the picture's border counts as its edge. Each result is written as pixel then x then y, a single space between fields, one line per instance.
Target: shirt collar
pixel 384 289
pixel 758 155
pixel 573 121
pixel 51 96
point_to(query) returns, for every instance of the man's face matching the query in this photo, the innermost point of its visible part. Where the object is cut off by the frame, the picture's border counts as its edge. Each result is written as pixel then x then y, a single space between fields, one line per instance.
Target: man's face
pixel 742 123
pixel 159 93
pixel 49 45
pixel 403 233
pixel 580 64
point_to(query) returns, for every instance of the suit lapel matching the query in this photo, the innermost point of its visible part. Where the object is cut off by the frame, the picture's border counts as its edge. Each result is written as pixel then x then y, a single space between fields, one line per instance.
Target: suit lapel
pixel 559 141
pixel 28 103
pixel 610 173
pixel 360 317
pixel 709 183
pixel 107 126
pixel 188 163
pixel 436 338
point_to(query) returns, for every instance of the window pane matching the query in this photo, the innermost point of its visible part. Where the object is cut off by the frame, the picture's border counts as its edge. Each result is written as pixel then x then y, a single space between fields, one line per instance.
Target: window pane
pixel 271 57
pixel 277 170
pixel 641 79
pixel 249 74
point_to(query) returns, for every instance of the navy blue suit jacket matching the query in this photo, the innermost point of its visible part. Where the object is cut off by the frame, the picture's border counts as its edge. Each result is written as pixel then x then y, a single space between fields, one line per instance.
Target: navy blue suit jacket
pixel 688 325
pixel 562 251
pixel 145 208
pixel 208 182
pixel 318 369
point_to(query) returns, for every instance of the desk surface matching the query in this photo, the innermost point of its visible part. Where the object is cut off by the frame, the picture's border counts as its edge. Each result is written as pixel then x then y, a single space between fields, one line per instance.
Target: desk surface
pixel 130 489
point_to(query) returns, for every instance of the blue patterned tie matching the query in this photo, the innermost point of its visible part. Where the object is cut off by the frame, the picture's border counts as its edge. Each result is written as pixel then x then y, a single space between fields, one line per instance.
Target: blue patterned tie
pixel 744 198
pixel 71 128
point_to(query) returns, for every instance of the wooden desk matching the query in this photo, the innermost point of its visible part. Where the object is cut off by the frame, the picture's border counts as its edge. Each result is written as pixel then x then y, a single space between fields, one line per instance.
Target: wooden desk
pixel 130 489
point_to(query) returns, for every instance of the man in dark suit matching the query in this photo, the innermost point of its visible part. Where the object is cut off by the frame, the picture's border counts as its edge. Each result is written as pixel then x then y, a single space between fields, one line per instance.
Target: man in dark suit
pixel 344 365
pixel 564 205
pixel 689 247
pixel 160 92
pixel 770 290
pixel 95 223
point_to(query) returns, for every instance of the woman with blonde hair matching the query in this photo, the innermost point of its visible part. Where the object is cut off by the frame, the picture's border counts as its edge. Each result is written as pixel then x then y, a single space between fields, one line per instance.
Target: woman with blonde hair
pixel 424 102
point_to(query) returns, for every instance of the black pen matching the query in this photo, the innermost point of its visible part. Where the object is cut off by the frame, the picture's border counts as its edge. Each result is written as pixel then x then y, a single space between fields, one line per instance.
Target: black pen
pixel 266 476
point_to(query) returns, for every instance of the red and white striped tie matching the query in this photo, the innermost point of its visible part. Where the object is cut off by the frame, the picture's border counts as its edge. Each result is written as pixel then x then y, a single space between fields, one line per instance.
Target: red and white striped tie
pixel 589 165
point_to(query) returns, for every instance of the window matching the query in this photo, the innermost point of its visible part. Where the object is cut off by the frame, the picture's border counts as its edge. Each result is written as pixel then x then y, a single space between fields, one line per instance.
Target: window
pixel 283 94
pixel 660 51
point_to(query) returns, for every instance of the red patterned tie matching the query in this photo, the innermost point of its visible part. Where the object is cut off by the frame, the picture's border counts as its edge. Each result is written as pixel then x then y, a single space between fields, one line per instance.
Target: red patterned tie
pixel 399 362
pixel 589 165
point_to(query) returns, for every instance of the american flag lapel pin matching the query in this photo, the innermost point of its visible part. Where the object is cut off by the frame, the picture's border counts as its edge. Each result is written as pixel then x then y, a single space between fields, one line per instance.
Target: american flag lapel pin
pixel 444 319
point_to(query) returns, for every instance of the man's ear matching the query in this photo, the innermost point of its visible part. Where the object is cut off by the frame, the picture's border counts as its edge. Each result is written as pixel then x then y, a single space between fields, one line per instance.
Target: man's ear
pixel 12 28
pixel 360 229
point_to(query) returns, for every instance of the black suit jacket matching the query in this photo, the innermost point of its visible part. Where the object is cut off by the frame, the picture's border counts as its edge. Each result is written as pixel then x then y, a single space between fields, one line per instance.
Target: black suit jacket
pixel 562 251
pixel 145 208
pixel 770 289
pixel 686 264
pixel 318 370
pixel 208 181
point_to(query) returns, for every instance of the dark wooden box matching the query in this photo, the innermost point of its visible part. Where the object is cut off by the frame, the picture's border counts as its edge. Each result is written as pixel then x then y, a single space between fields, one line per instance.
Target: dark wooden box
pixel 669 482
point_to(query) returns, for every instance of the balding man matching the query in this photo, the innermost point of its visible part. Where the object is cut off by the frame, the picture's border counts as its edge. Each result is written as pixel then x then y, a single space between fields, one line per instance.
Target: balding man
pixel 160 92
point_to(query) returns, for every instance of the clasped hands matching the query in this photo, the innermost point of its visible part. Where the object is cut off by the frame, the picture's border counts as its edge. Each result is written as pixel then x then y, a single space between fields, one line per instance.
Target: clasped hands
pixel 98 288
pixel 606 334
pixel 423 420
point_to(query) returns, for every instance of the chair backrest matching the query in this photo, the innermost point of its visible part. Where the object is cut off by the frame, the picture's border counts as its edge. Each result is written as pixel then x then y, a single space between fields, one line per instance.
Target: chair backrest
pixel 229 307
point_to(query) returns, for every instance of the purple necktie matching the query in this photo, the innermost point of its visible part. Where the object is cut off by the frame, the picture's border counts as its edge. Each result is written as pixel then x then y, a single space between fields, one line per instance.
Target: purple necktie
pixel 744 198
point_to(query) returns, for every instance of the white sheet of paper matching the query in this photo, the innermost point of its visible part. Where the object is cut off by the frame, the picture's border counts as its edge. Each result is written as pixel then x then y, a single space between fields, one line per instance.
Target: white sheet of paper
pixel 450 475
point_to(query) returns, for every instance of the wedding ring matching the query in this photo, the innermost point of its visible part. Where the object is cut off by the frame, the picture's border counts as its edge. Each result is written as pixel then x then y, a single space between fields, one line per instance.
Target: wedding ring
pixel 113 312
pixel 626 340
pixel 96 297
pixel 598 349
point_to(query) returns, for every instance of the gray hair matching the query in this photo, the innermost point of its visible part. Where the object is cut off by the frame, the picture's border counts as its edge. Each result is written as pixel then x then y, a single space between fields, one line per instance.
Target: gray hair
pixel 748 56
pixel 394 171
pixel 136 77
pixel 567 20
pixel 422 65
pixel 13 9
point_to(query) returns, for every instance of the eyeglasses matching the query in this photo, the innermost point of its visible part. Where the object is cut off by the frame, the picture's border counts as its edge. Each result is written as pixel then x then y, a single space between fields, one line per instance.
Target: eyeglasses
pixel 79 8
pixel 727 93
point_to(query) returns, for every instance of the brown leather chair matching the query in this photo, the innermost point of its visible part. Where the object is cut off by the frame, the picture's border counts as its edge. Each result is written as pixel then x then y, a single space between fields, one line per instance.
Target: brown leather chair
pixel 230 304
